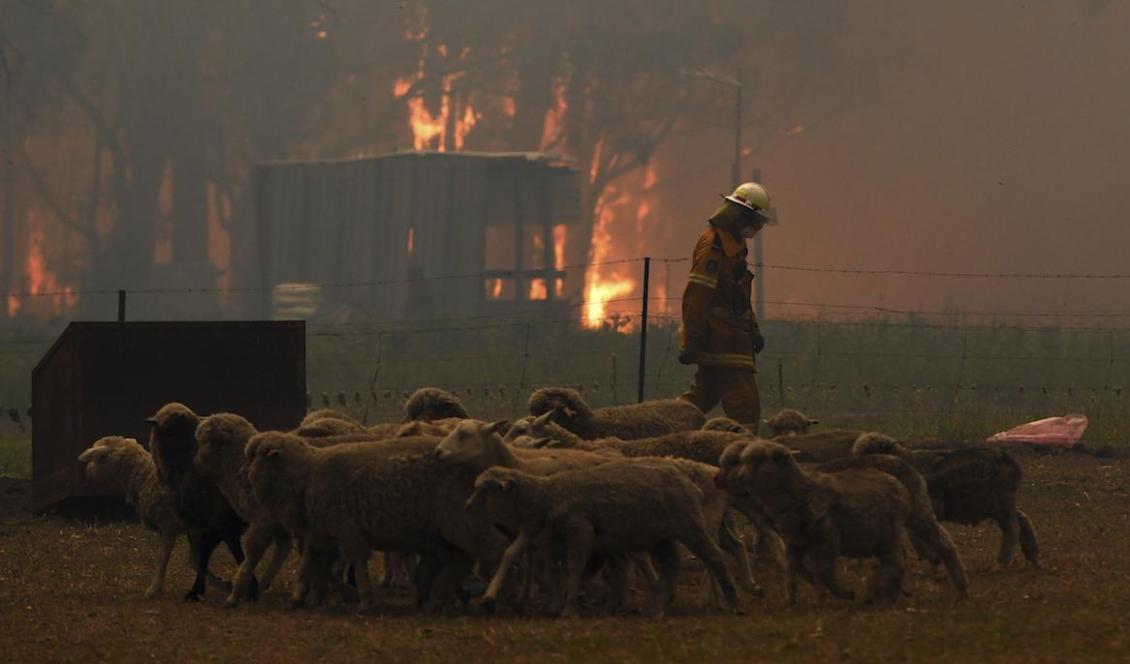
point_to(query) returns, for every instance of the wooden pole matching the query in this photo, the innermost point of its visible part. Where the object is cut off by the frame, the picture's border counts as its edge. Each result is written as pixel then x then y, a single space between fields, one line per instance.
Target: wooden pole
pixel 643 326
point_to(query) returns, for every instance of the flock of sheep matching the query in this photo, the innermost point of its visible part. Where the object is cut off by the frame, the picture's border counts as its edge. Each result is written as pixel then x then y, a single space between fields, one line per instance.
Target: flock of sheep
pixel 577 500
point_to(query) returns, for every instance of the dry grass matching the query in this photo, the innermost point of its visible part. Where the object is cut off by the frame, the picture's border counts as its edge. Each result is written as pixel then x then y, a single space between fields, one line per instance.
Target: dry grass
pixel 70 591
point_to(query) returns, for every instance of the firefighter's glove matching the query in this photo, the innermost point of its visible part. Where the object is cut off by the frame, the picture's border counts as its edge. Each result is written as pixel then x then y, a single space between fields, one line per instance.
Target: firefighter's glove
pixel 689 355
pixel 758 342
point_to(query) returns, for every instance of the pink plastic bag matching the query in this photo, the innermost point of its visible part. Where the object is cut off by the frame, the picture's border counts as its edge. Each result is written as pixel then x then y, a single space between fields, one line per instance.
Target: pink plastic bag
pixel 1065 431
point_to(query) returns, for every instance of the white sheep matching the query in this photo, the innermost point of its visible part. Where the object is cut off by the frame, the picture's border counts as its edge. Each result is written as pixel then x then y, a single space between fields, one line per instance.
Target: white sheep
pixel 125 464
pixel 390 495
pixel 642 420
pixel 612 509
pixel 220 441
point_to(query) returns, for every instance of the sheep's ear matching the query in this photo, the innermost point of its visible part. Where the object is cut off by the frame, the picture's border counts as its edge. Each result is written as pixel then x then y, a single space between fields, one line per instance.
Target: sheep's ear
pixel 543 419
pixel 272 453
pixel 814 422
pixel 506 485
pixel 87 455
pixel 567 412
pixel 499 427
pixel 765 421
pixel 543 442
pixel 151 421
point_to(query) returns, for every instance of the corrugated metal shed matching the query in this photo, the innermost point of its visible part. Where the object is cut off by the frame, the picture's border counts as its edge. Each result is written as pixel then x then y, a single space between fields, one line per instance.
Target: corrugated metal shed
pixel 379 231
pixel 102 379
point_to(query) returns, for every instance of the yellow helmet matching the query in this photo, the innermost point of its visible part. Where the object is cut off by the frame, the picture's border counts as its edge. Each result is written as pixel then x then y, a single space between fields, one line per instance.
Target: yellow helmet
pixel 752 196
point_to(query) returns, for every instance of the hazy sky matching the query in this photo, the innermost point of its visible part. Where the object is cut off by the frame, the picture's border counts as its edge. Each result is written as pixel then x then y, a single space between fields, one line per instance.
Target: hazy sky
pixel 1004 145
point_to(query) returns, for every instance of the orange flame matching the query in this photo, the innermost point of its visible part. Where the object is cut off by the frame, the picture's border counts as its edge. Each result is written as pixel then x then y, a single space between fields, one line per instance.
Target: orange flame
pixel 555 117
pixel 45 295
pixel 602 289
pixel 538 290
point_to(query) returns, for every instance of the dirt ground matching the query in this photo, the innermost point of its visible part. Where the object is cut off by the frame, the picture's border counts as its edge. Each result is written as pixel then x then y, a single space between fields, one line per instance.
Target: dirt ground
pixel 73 590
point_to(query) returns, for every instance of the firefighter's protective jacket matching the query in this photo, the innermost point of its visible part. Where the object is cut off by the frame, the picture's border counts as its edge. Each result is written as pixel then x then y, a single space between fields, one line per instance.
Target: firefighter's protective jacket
pixel 718 321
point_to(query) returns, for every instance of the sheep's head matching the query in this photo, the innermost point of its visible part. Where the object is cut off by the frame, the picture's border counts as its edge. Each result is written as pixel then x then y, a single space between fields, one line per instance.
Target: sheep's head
pixel 494 496
pixel 565 405
pixel 276 465
pixel 877 443
pixel 789 422
pixel 766 468
pixel 520 428
pixel 728 462
pixel 725 424
pixel 172 440
pixel 473 443
pixel 102 459
pixel 432 403
pixel 220 440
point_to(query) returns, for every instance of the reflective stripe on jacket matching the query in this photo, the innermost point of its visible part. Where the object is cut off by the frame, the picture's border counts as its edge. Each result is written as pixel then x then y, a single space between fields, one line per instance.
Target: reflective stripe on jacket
pixel 717 317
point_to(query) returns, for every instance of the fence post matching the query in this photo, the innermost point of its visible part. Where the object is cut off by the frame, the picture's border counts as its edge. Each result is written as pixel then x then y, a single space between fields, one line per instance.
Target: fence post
pixel 643 325
pixel 780 383
pixel 121 306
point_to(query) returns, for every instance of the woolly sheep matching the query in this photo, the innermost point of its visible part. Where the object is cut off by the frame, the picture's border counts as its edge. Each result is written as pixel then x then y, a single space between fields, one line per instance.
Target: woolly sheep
pixel 931 541
pixel 701 446
pixel 383 430
pixel 789 422
pixel 478 446
pixel 327 414
pixel 220 440
pixel 329 426
pixel 611 509
pixel 431 403
pixel 124 463
pixel 650 418
pixel 817 446
pixel 436 428
pixel 725 424
pixel 969 485
pixel 857 513
pixel 208 515
pixel 391 495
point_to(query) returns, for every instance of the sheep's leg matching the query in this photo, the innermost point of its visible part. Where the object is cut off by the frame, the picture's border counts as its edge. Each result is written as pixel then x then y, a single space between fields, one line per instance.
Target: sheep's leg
pixel 305 569
pixel 168 541
pixel 455 566
pixel 739 557
pixel 579 539
pixel 665 556
pixel 364 583
pixel 942 546
pixel 282 552
pixel 886 583
pixel 702 546
pixel 1009 524
pixel 512 552
pixel 821 562
pixel 1028 545
pixel 202 544
pixel 258 538
pixel 618 580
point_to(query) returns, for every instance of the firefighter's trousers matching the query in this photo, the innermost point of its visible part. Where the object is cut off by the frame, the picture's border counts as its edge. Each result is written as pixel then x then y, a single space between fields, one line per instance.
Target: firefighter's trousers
pixel 735 387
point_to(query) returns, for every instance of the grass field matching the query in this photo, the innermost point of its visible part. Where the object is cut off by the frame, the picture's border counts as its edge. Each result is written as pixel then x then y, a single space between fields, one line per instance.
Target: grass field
pixel 15 457
pixel 910 377
pixel 73 591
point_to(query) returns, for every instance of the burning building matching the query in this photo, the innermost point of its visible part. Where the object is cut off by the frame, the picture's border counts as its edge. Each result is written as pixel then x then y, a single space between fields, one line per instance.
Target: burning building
pixel 420 235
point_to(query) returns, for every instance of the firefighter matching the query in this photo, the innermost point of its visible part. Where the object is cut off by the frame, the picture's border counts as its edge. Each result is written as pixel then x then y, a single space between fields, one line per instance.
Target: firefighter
pixel 720 332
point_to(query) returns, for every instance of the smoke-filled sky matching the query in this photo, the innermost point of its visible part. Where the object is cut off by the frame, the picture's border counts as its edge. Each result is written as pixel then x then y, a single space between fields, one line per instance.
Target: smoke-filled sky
pixel 1001 144
pixel 958 136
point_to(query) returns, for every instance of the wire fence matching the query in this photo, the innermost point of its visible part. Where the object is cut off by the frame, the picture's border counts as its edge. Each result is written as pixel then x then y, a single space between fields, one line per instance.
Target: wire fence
pixel 916 373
